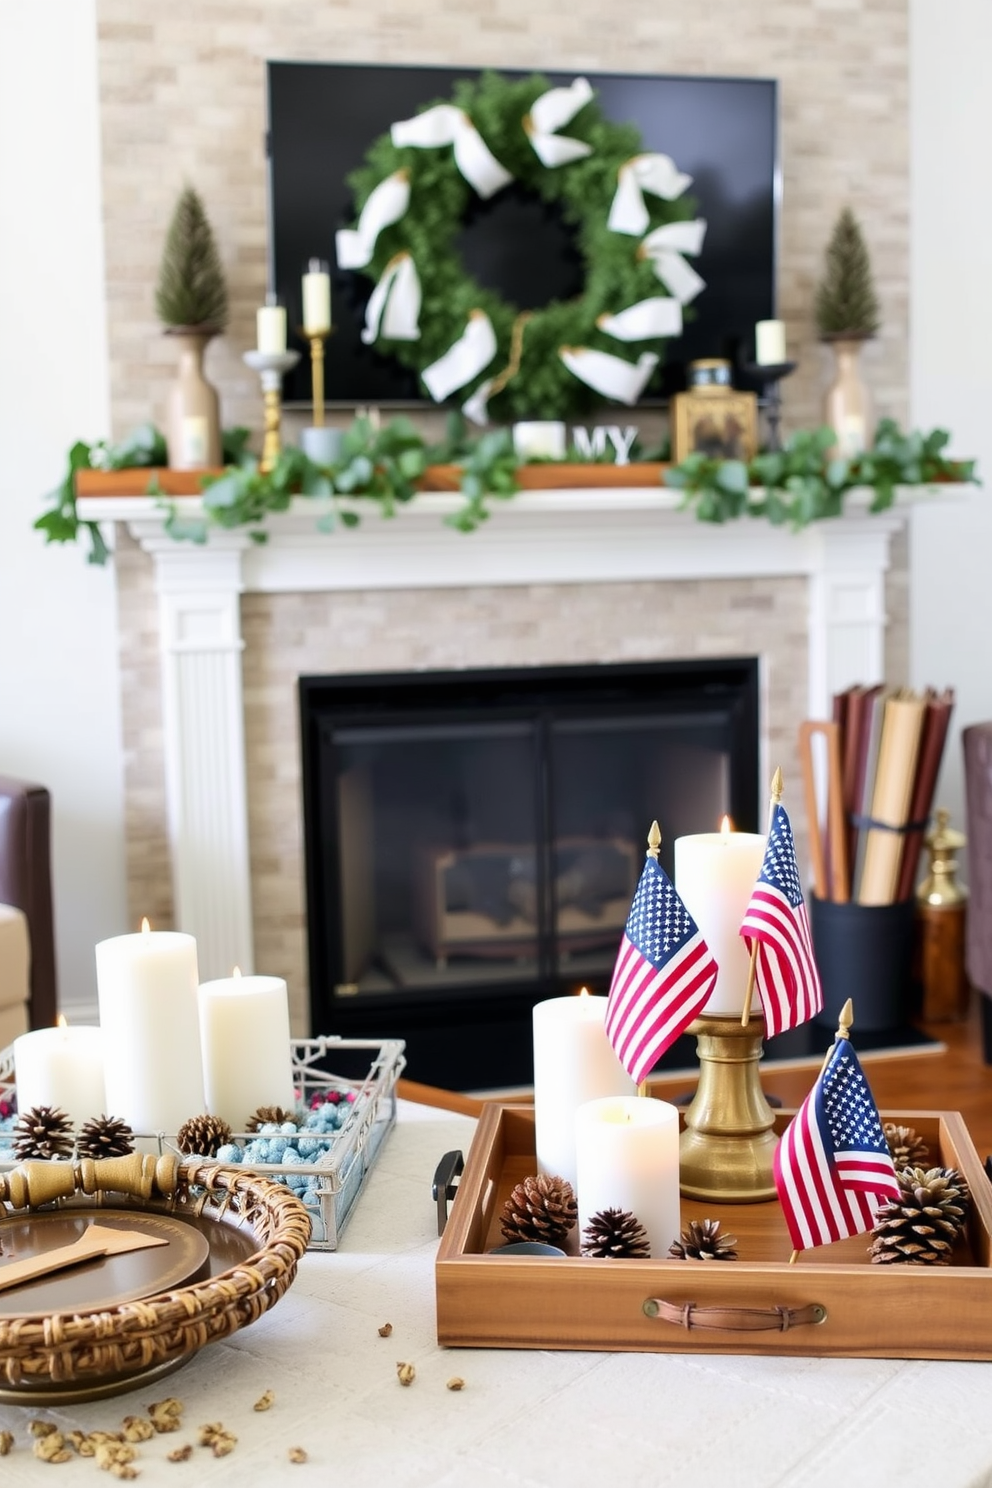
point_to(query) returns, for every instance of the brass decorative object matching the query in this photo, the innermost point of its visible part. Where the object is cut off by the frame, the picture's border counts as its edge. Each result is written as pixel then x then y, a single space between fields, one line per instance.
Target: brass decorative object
pixel 728 1147
pixel 271 367
pixel 941 923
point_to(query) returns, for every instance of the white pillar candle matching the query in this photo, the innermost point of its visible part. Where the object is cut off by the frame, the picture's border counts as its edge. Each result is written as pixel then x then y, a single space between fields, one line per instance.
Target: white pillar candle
pixel 146 984
pixel 540 439
pixel 715 873
pixel 270 322
pixel 627 1152
pixel 769 343
pixel 61 1067
pixel 316 299
pixel 244 1029
pixel 574 1062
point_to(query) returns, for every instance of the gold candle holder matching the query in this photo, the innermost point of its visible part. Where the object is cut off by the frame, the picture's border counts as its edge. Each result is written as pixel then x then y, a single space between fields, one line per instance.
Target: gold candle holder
pixel 271 367
pixel 317 378
pixel 727 1149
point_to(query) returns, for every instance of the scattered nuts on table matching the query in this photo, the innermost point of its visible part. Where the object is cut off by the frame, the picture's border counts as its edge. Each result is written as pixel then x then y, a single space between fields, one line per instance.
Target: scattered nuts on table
pixel 51 1448
pixel 385 1330
pixel 405 1373
pixel 6 1442
pixel 456 1382
pixel 181 1454
pixel 166 1415
pixel 297 1454
pixel 137 1429
pixel 264 1402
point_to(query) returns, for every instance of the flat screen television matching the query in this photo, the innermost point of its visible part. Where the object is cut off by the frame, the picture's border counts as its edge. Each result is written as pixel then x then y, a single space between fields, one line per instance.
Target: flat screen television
pixel 323 116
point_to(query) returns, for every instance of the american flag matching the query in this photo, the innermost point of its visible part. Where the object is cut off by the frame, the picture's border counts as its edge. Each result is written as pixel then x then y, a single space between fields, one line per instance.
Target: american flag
pixel 663 976
pixel 832 1166
pixel 785 970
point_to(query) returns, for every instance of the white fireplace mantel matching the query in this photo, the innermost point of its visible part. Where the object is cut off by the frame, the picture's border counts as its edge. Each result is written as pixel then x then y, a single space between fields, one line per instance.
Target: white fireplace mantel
pixel 541 537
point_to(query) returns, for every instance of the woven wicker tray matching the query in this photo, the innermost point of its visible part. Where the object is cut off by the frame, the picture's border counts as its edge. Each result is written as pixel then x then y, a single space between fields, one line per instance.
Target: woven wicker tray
pixel 832 1302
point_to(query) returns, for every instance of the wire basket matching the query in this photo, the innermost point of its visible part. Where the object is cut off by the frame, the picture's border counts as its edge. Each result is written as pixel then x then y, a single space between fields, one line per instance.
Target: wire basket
pixel 338 1171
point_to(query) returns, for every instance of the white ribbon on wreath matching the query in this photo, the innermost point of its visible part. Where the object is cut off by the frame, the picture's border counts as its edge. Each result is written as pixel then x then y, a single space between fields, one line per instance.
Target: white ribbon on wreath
pixel 464 359
pixel 444 124
pixel 658 316
pixel 610 375
pixel 386 205
pixel 551 112
pixel 393 310
pixel 657 174
pixel 665 247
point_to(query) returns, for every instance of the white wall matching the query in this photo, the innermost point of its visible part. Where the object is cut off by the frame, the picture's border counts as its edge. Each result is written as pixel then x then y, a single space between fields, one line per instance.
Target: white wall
pixel 59 708
pixel 951 354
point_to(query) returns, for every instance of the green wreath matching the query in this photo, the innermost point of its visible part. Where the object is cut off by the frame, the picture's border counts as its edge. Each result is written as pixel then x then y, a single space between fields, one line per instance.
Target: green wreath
pixel 527 377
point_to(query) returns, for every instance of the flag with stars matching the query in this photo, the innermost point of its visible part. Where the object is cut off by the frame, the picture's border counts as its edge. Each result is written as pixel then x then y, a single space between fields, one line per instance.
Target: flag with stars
pixel 785 971
pixel 833 1166
pixel 663 976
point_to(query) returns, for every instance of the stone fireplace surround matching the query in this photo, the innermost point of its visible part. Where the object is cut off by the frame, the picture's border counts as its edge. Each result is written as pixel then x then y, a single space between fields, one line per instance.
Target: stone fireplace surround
pixel 214 638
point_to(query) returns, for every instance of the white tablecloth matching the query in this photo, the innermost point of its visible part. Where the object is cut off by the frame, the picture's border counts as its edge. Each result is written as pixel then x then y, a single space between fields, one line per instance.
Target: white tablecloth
pixel 528 1418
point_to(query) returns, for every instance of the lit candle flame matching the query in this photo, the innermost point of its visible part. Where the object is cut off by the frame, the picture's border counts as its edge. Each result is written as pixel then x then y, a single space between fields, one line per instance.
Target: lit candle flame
pixel 145 927
pixel 584 992
pixel 726 828
pixel 237 973
pixel 60 1021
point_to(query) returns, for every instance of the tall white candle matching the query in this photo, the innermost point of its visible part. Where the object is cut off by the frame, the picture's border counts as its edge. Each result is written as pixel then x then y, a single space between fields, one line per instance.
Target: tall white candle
pixel 574 1062
pixel 627 1151
pixel 316 299
pixel 769 343
pixel 146 985
pixel 61 1067
pixel 714 875
pixel 244 1029
pixel 270 323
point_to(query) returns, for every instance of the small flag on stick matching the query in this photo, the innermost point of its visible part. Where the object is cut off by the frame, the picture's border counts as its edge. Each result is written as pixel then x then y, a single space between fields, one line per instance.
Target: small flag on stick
pixel 664 973
pixel 776 931
pixel 833 1166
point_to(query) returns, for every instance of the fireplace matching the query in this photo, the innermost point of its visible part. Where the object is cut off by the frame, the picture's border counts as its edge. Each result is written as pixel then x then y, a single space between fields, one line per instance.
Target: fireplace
pixel 473 839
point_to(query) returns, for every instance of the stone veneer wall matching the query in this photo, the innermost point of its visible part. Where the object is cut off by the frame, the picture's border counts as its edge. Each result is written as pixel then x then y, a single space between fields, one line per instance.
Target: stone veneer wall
pixel 183 99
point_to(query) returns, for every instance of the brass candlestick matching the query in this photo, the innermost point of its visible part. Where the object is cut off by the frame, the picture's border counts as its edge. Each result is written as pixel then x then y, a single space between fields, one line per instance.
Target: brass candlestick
pixel 271 367
pixel 317 376
pixel 728 1146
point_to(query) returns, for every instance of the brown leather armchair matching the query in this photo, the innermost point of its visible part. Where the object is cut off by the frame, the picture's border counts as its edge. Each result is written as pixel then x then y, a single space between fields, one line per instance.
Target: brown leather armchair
pixel 26 883
pixel 976 741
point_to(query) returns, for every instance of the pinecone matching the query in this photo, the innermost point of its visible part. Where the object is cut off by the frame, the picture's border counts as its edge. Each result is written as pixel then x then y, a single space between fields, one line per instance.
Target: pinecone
pixel 615 1233
pixel 43 1132
pixel 921 1227
pixel 908 1150
pixel 701 1240
pixel 203 1136
pixel 541 1208
pixel 266 1114
pixel 105 1136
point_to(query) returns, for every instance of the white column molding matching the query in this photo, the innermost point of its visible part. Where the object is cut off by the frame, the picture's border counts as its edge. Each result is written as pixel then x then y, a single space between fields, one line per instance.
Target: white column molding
pixel 200 636
pixel 847 615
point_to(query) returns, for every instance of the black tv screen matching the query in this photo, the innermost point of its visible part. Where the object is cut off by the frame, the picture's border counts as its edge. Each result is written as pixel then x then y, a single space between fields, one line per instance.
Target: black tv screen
pixel 323 116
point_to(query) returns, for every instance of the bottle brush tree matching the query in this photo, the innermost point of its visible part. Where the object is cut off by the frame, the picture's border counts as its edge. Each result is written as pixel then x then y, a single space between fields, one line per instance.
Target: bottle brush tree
pixel 846 302
pixel 191 291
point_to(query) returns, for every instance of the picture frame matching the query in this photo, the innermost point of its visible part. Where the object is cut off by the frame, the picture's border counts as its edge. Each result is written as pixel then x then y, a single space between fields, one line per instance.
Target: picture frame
pixel 715 421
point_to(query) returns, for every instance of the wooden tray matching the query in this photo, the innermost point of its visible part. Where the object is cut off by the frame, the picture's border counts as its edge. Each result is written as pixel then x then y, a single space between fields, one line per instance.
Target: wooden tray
pixel 861 1310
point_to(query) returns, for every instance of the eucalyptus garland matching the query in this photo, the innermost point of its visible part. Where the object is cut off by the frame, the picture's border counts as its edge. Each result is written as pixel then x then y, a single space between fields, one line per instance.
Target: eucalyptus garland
pixel 529 378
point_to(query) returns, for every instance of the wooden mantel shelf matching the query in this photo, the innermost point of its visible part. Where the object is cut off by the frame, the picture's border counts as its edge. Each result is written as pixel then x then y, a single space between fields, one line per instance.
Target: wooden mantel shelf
pixel 550 477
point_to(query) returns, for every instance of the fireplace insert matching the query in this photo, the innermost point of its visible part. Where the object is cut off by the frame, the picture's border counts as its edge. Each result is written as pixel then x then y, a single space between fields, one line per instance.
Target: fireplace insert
pixel 472 839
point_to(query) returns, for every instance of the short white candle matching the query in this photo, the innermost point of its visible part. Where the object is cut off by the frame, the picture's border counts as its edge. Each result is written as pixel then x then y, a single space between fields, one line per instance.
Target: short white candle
pixel 146 984
pixel 628 1158
pixel 270 321
pixel 540 439
pixel 244 1028
pixel 316 300
pixel 769 343
pixel 715 873
pixel 61 1067
pixel 574 1062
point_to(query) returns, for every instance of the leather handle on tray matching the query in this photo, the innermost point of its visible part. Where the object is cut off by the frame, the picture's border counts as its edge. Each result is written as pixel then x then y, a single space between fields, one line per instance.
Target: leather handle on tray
pixel 444 1187
pixel 690 1315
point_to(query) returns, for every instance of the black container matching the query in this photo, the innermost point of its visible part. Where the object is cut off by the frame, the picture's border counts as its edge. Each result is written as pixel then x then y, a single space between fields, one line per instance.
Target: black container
pixel 864 952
